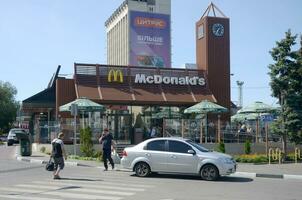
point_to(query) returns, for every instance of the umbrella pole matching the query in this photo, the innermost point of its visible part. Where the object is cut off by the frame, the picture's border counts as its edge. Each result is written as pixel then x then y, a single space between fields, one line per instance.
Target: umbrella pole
pixel 83 119
pixel 206 128
pixel 164 124
pixel 89 119
pixel 201 134
pixel 182 128
pixel 218 126
pixel 75 136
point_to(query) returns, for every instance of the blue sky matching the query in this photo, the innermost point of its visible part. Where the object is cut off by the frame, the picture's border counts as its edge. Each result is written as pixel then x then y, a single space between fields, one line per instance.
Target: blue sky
pixel 38 35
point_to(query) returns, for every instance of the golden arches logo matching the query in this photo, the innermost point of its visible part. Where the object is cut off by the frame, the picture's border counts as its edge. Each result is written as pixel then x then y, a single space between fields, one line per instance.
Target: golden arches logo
pixel 115 74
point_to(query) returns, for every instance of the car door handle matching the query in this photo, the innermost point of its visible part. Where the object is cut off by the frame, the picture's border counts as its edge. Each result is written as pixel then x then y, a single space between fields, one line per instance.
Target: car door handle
pixel 148 154
pixel 173 156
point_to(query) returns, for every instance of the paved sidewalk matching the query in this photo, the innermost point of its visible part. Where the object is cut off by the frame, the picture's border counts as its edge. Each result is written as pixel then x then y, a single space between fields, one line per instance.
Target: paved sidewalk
pixel 282 171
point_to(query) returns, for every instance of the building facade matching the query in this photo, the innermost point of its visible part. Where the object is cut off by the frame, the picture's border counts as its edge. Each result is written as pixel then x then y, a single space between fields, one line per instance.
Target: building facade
pixel 139 34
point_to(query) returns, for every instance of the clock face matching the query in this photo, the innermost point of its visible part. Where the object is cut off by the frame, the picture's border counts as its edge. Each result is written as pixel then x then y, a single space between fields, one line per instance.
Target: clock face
pixel 218 29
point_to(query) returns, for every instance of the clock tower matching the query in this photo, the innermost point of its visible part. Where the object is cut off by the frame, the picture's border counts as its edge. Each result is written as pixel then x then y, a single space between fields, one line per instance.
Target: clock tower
pixel 213 53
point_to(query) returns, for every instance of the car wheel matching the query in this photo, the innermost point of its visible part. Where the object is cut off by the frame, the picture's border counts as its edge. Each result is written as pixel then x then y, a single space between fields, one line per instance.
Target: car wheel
pixel 142 169
pixel 209 173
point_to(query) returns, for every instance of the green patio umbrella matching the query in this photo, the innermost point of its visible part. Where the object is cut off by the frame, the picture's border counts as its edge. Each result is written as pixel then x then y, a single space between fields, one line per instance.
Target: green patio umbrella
pixel 84 104
pixel 205 107
pixel 257 107
pixel 241 117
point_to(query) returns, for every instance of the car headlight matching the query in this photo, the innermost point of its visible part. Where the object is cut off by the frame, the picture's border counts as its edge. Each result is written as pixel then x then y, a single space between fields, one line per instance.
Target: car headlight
pixel 227 160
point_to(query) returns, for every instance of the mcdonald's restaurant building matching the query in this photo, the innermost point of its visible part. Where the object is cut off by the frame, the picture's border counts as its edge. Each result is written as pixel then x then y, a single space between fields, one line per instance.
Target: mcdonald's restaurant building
pixel 138 98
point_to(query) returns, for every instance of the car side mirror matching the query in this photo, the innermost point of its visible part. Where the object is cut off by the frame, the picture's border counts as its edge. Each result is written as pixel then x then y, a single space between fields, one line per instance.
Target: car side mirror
pixel 191 151
pixel 145 147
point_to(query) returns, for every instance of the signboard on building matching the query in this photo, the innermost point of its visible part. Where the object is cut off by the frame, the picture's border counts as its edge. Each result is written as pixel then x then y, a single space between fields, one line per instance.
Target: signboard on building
pixel 119 75
pixel 150 39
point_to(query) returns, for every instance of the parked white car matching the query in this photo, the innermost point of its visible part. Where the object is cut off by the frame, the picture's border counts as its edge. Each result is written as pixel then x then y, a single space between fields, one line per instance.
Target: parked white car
pixel 176 155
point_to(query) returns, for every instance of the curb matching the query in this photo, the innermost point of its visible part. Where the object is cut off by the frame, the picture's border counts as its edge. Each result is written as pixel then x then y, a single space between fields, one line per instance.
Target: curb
pixel 31 160
pixel 260 175
pixel 289 176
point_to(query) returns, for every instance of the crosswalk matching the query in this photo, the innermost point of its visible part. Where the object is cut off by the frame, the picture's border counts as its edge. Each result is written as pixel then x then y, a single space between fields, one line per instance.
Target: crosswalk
pixel 75 188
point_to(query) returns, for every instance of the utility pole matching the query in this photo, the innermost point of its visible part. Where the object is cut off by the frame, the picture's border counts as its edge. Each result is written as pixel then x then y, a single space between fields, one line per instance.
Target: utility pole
pixel 240 96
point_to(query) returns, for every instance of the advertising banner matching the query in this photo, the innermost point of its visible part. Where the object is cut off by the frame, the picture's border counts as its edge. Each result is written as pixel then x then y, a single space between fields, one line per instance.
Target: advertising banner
pixel 150 39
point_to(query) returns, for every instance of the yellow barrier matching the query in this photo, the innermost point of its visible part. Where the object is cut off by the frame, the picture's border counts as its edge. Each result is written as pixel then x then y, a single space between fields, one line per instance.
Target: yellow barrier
pixel 297 154
pixel 275 154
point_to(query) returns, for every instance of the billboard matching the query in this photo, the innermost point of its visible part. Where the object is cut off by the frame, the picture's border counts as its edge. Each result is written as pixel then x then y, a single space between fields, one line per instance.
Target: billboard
pixel 150 39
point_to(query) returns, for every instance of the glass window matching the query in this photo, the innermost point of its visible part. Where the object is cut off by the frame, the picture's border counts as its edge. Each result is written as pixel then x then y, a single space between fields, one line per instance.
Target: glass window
pixel 178 147
pixel 158 145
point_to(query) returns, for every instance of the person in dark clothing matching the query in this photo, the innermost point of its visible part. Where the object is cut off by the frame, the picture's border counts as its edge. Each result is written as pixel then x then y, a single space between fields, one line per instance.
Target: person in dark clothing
pixel 58 151
pixel 107 140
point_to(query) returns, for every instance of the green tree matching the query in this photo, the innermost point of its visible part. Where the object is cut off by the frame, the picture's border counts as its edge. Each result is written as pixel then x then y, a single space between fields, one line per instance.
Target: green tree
pixel 8 106
pixel 286 85
pixel 86 144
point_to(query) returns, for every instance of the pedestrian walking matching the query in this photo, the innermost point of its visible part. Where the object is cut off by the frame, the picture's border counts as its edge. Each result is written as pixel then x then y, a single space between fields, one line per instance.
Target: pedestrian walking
pixel 58 151
pixel 107 140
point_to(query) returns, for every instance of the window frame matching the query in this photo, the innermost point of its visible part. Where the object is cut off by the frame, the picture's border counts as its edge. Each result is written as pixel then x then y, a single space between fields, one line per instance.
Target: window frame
pixel 168 149
pixel 165 146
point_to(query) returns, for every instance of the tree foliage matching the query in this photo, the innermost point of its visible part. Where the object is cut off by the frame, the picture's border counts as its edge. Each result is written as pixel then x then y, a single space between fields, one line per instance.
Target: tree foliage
pixel 8 106
pixel 286 85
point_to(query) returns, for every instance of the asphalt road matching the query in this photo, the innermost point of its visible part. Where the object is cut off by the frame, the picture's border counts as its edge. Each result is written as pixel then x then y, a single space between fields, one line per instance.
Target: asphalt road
pixel 31 181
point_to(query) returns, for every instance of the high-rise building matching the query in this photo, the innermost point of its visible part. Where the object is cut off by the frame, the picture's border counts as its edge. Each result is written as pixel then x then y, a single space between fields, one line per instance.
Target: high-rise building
pixel 139 34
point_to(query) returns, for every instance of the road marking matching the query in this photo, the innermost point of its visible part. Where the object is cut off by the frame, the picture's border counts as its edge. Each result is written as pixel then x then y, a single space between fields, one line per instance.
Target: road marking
pixel 117 183
pixel 91 185
pixel 75 189
pixel 25 197
pixel 62 194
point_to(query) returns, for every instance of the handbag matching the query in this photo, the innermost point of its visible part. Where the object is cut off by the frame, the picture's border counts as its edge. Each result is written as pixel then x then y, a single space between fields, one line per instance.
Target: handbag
pixel 115 157
pixel 50 166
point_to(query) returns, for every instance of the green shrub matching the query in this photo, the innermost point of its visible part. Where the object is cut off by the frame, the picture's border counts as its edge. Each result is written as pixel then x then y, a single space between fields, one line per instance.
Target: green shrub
pixel 221 147
pixel 251 158
pixel 42 149
pixel 86 144
pixel 247 147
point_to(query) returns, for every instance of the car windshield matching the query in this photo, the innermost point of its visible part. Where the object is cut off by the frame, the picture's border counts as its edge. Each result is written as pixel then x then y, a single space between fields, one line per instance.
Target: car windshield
pixel 197 146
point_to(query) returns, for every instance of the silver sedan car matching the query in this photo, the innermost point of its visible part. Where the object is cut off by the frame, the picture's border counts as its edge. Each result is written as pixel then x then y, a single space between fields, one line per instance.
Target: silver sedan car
pixel 176 155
